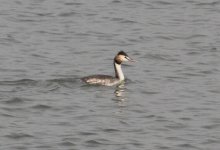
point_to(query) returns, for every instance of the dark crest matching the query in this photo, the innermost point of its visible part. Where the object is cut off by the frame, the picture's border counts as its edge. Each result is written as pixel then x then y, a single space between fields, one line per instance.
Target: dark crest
pixel 122 53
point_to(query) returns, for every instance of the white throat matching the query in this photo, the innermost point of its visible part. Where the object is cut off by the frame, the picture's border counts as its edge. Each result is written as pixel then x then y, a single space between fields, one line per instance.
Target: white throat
pixel 118 72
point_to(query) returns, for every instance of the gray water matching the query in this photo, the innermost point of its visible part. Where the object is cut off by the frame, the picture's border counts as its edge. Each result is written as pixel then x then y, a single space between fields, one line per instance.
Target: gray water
pixel 171 98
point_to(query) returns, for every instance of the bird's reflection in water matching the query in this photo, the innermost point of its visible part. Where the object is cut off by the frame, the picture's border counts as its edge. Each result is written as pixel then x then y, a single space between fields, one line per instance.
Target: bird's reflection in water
pixel 120 95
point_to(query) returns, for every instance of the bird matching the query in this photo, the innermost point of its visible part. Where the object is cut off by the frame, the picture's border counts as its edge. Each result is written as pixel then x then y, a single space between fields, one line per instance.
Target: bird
pixel 107 80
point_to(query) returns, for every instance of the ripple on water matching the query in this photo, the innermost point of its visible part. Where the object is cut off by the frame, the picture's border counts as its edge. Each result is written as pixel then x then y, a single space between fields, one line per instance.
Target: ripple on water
pixel 87 133
pixel 162 3
pixel 211 141
pixel 100 142
pixel 212 3
pixel 163 147
pixel 20 147
pixel 68 14
pixel 176 126
pixel 43 86
pixel 161 57
pixel 7 115
pixel 212 126
pixel 185 118
pixel 122 20
pixel 187 146
pixel 150 92
pixel 19 82
pixel 73 3
pixel 67 143
pixel 215 91
pixel 41 107
pixel 17 136
pixel 64 82
pixel 116 1
pixel 16 100
pixel 93 143
pixel 110 130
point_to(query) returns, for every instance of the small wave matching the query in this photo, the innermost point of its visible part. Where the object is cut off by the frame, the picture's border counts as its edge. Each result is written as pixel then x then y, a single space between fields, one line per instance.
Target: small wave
pixel 215 91
pixel 97 142
pixel 213 126
pixel 160 57
pixel 193 74
pixel 19 82
pixel 63 82
pixel 51 84
pixel 41 107
pixel 67 143
pixel 164 3
pixel 176 126
pixel 87 133
pixel 206 72
pixel 116 1
pixel 169 38
pixel 185 118
pixel 150 92
pixel 16 100
pixel 111 130
pixel 74 3
pixel 44 14
pixel 18 136
pixel 208 3
pixel 211 141
pixel 38 55
pixel 67 14
pixel 136 143
pixel 194 36
pixel 93 143
pixel 187 145
pixel 163 147
pixel 7 115
pixel 193 53
pixel 122 20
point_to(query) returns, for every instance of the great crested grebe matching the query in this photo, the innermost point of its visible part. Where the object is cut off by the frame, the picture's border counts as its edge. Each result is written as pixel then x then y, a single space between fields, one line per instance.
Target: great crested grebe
pixel 110 80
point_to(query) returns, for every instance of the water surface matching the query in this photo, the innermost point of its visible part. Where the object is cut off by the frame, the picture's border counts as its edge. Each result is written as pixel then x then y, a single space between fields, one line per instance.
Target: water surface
pixel 170 100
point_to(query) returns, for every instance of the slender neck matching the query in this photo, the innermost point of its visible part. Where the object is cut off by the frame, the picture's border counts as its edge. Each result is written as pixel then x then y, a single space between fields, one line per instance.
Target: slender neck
pixel 118 72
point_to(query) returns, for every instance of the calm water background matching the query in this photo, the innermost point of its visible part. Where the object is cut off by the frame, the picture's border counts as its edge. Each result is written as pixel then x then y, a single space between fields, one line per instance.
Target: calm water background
pixel 170 101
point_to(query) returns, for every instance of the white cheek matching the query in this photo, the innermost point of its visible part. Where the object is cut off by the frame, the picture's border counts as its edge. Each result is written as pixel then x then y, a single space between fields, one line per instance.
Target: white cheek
pixel 124 59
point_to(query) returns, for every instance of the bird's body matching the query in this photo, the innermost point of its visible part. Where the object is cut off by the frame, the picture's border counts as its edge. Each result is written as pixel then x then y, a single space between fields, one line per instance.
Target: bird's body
pixel 101 80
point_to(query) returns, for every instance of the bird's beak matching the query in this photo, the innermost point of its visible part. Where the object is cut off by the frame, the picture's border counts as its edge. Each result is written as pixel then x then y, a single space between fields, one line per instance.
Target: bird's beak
pixel 130 59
